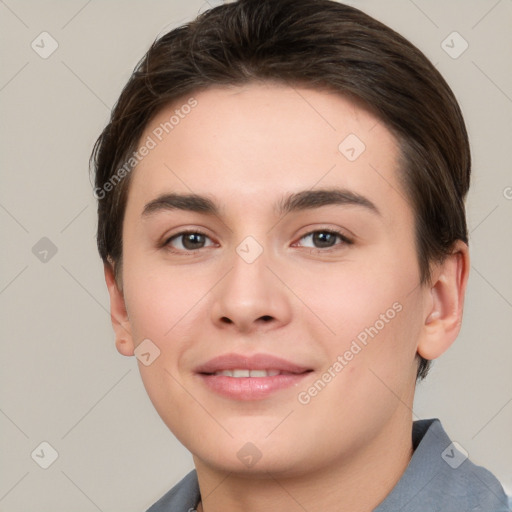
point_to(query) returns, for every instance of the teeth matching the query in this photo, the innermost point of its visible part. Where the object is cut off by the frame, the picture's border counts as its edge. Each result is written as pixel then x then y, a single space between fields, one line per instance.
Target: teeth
pixel 227 373
pixel 258 373
pixel 248 373
pixel 241 373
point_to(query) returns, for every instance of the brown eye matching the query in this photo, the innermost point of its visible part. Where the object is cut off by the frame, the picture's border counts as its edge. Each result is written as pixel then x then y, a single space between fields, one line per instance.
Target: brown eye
pixel 188 241
pixel 326 239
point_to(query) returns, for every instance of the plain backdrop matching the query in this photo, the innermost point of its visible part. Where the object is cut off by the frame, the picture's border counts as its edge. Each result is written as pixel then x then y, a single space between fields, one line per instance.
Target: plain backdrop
pixel 62 381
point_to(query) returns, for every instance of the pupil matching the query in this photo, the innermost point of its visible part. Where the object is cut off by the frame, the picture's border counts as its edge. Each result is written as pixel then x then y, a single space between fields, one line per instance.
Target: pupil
pixel 191 240
pixel 323 239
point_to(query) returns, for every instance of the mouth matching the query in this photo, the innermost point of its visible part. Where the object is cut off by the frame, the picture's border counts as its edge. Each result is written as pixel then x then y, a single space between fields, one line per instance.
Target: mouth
pixel 250 377
pixel 244 373
pixel 241 365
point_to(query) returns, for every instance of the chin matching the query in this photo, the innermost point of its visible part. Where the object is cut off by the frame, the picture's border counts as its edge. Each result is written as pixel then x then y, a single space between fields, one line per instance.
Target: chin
pixel 255 458
pixel 278 467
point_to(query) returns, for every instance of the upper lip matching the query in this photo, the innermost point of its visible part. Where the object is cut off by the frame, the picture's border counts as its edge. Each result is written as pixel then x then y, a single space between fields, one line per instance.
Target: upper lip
pixel 249 362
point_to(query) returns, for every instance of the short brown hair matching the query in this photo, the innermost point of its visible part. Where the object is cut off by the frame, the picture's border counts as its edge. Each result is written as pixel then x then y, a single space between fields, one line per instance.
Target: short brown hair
pixel 318 44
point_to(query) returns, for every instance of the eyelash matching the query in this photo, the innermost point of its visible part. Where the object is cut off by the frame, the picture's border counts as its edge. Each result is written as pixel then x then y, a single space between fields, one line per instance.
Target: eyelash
pixel 342 237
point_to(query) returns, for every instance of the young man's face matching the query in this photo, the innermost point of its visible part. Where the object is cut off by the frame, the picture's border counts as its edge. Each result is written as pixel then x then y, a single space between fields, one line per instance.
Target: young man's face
pixel 262 281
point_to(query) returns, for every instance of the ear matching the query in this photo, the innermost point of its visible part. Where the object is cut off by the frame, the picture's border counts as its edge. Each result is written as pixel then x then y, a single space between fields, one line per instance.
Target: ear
pixel 443 309
pixel 118 314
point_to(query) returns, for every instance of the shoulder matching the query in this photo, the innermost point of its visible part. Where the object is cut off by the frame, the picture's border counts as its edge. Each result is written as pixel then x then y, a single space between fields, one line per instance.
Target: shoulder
pixel 440 476
pixel 184 496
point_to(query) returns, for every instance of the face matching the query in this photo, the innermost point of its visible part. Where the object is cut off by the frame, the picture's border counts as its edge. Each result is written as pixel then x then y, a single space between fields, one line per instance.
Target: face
pixel 299 259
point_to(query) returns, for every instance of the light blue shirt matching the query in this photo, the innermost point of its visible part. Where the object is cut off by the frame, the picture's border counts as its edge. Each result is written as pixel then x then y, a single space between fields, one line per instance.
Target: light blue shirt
pixel 439 478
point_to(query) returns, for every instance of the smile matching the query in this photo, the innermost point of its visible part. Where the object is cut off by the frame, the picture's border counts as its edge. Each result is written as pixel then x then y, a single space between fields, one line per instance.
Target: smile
pixel 250 376
pixel 248 373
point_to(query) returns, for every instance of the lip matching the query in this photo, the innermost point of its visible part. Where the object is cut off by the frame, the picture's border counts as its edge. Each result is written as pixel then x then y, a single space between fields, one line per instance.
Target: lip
pixel 250 388
pixel 234 361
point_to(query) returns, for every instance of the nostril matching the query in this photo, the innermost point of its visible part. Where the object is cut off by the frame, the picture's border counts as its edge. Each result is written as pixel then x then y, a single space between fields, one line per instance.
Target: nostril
pixel 226 320
pixel 266 318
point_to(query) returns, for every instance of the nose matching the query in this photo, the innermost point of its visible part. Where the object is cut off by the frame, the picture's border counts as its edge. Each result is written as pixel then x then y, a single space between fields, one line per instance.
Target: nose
pixel 251 296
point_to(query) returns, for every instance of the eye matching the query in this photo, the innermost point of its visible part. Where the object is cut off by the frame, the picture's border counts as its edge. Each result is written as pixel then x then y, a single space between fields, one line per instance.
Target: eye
pixel 188 241
pixel 326 239
pixel 192 240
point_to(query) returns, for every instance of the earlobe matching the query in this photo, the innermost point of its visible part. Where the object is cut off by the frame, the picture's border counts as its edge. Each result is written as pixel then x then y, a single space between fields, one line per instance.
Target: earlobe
pixel 443 312
pixel 118 314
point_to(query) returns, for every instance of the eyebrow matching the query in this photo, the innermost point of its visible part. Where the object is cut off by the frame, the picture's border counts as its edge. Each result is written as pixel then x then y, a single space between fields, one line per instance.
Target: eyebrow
pixel 298 201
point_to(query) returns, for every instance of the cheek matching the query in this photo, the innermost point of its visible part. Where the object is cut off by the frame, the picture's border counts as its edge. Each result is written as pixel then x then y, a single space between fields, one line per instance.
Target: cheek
pixel 370 366
pixel 370 316
pixel 164 307
pixel 352 298
pixel 160 301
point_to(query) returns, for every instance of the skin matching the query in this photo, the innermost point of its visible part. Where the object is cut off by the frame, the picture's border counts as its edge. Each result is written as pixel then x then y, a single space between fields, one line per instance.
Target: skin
pixel 246 147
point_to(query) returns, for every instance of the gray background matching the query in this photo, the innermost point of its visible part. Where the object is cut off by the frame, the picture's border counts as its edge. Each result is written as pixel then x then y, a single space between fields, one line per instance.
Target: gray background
pixel 63 382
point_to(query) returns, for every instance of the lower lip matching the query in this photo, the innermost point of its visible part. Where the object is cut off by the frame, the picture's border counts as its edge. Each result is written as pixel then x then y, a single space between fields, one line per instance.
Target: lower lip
pixel 251 388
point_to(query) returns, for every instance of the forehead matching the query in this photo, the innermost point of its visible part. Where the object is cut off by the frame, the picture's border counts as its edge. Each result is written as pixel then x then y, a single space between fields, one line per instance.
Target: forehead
pixel 258 142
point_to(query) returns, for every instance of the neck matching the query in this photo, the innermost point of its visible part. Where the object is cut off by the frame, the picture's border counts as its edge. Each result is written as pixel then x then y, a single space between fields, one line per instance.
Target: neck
pixel 359 483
